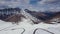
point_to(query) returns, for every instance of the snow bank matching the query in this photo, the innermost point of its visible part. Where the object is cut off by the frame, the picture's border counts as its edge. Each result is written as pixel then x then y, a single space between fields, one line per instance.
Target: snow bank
pixel 26 27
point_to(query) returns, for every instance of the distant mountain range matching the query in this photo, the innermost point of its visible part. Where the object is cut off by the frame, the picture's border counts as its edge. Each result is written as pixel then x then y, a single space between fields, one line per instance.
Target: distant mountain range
pixel 44 16
pixel 13 15
pixel 4 13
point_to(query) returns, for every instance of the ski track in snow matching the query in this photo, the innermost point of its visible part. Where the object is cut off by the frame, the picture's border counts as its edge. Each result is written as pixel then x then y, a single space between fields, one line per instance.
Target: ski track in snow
pixel 26 27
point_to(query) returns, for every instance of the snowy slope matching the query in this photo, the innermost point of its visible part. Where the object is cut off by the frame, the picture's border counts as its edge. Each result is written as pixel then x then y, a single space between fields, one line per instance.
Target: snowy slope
pixel 25 27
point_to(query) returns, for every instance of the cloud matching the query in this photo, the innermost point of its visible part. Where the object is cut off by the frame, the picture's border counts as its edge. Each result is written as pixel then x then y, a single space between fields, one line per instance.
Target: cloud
pixel 41 5
pixel 51 5
pixel 49 1
pixel 14 3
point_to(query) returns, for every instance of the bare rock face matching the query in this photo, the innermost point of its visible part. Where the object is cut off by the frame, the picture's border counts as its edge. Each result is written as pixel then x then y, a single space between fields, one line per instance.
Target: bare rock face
pixel 14 18
pixel 56 18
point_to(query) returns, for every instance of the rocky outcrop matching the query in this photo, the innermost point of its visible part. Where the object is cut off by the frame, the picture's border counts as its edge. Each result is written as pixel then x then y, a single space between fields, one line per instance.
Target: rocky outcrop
pixel 14 18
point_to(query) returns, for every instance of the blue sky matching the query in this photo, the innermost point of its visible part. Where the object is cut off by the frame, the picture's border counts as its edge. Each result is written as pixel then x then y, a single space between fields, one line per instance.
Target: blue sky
pixel 32 4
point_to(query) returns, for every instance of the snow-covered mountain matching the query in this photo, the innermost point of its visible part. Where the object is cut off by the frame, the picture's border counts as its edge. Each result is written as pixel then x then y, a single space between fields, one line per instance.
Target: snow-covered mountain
pixel 25 27
pixel 28 22
pixel 47 17
pixel 15 14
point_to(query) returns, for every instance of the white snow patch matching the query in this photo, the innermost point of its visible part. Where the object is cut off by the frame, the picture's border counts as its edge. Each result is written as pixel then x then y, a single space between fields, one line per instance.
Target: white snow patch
pixel 6 27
